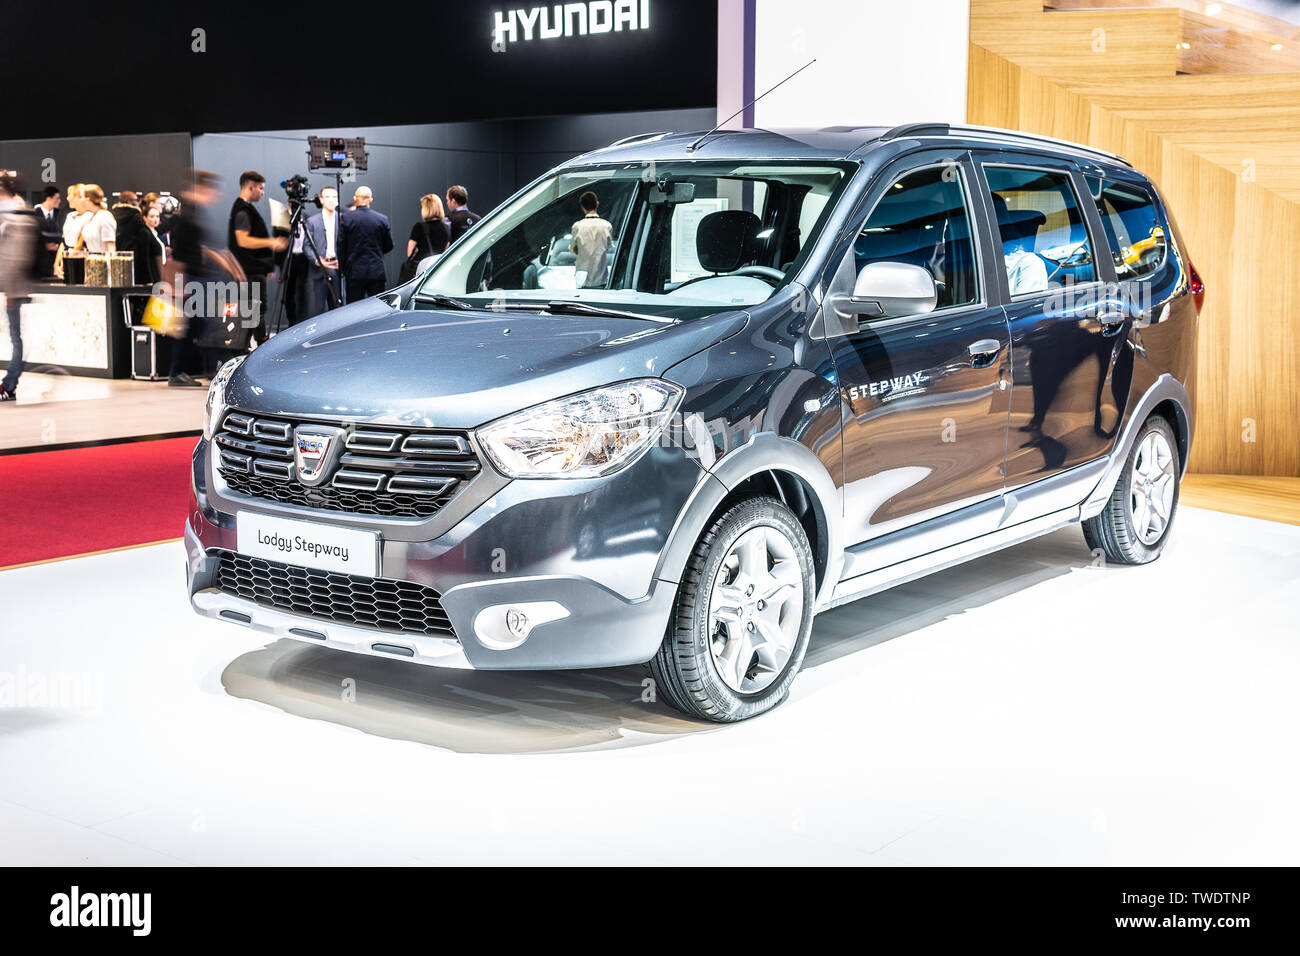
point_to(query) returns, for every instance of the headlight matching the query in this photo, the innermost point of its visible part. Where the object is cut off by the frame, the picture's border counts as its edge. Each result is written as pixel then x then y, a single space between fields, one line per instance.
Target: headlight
pixel 216 406
pixel 582 436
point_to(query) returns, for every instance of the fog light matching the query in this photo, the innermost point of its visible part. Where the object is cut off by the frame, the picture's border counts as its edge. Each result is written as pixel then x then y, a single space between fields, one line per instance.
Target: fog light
pixel 517 623
pixel 503 626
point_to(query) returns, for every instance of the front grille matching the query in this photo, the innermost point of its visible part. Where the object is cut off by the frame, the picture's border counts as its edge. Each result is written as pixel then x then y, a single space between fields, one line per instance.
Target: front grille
pixel 396 606
pixel 394 472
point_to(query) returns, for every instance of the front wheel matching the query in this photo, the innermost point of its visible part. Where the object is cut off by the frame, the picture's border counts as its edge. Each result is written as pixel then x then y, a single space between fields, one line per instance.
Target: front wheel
pixel 1134 526
pixel 743 615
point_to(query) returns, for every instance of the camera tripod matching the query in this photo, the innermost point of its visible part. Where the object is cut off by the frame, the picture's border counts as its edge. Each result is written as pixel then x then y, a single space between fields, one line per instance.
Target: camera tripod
pixel 286 275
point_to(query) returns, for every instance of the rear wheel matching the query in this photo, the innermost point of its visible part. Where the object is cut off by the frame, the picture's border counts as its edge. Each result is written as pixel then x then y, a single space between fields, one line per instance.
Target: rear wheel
pixel 743 615
pixel 1134 525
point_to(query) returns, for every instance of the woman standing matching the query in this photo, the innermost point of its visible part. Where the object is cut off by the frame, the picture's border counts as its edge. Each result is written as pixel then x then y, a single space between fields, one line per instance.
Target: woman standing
pixel 99 232
pixel 72 223
pixel 429 236
pixel 151 253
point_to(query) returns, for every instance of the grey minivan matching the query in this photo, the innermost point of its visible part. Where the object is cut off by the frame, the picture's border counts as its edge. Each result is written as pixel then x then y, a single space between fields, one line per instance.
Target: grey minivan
pixel 682 393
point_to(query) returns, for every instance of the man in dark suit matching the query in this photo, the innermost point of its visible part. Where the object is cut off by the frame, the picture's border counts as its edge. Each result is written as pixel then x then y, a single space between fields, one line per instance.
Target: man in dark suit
pixel 325 229
pixel 367 237
pixel 51 230
pixel 458 211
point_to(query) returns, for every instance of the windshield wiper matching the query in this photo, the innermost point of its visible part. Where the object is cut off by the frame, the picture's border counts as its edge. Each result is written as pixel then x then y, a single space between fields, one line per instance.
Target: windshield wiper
pixel 444 300
pixel 582 308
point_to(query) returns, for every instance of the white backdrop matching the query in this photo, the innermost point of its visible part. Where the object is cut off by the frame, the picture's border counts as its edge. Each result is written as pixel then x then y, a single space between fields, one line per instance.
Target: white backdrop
pixel 878 61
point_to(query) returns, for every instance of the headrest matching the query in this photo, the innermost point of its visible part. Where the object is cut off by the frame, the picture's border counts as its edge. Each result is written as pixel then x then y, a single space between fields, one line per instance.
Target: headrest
pixel 1020 224
pixel 725 239
pixel 898 232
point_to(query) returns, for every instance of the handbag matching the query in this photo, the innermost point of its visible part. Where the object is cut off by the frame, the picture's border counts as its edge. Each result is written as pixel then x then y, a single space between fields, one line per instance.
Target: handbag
pixel 412 263
pixel 161 315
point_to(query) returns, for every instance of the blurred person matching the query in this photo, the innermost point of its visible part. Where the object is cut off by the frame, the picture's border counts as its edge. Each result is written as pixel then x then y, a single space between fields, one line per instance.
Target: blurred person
pixel 51 230
pixel 367 237
pixel 20 240
pixel 458 212
pixel 252 244
pixel 592 237
pixel 325 229
pixel 151 251
pixel 98 231
pixel 195 262
pixel 73 221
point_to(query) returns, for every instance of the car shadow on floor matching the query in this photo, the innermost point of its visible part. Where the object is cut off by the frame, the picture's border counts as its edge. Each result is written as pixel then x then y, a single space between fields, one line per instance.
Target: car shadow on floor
pixel 550 711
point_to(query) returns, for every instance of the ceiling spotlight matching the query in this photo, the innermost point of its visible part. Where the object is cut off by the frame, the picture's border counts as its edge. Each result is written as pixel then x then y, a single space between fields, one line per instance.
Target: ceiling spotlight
pixel 1276 46
pixel 1213 9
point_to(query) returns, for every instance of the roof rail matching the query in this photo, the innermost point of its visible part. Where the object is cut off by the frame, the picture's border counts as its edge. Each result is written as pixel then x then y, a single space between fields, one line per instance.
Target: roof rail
pixel 943 129
pixel 634 138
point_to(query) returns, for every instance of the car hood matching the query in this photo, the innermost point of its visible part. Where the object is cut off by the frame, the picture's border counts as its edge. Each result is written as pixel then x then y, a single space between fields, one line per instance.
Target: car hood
pixel 371 363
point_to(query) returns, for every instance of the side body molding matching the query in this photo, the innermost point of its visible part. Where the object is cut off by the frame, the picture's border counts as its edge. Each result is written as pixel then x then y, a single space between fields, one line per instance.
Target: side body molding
pixel 1165 388
pixel 763 452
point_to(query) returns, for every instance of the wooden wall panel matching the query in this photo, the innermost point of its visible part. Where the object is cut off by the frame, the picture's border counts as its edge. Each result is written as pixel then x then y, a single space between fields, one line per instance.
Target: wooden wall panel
pixel 1203 198
pixel 1243 236
pixel 1131 43
pixel 992 90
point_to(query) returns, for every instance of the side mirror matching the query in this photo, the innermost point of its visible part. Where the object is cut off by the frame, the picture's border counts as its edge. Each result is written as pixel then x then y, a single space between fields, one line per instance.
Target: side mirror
pixel 891 289
pixel 427 263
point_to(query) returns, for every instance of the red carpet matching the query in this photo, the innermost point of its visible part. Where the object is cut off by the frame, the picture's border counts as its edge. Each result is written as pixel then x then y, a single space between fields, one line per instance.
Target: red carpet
pixel 54 504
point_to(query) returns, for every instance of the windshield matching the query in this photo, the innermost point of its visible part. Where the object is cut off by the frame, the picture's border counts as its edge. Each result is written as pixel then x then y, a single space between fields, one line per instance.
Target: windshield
pixel 677 239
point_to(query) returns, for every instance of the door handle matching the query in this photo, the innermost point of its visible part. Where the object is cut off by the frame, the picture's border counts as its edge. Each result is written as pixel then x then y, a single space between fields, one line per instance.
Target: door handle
pixel 983 352
pixel 1111 322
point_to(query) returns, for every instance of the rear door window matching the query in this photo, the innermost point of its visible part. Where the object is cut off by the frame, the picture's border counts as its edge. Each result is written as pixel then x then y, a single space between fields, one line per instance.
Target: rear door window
pixel 1133 226
pixel 1044 239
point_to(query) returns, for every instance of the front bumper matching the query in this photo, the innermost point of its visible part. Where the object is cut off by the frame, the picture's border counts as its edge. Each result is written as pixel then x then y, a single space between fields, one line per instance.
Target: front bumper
pixel 590 548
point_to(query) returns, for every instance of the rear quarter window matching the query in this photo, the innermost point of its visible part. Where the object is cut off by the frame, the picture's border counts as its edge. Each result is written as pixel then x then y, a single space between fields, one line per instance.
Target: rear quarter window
pixel 1135 230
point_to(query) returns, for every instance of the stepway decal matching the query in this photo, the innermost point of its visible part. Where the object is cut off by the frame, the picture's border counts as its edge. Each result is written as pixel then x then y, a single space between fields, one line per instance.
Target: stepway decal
pixel 887 389
pixel 103 909
pixel 301 544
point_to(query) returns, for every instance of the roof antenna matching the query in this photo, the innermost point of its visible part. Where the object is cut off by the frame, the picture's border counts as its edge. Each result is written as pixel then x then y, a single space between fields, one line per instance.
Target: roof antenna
pixel 691 148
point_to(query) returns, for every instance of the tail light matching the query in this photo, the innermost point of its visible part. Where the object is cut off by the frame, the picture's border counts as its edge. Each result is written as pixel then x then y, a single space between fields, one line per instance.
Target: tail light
pixel 1197 287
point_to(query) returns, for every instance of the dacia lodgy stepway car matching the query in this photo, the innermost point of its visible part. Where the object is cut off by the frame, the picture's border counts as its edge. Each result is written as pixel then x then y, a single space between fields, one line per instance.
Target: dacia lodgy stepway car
pixel 682 393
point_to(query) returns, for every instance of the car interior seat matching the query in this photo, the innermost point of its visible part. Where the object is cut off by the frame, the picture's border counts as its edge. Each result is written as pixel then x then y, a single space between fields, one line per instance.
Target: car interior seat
pixel 725 240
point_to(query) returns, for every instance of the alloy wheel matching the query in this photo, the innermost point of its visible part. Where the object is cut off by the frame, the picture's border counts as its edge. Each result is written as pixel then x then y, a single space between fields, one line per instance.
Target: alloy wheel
pixel 1151 487
pixel 756 609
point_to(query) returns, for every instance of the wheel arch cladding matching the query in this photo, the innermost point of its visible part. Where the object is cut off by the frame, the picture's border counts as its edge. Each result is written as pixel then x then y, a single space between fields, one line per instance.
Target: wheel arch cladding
pixel 797 495
pixel 1176 416
pixel 777 467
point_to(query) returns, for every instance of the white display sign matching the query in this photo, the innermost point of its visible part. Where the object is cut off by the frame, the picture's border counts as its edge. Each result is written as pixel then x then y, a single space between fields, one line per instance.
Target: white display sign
pixel 307 544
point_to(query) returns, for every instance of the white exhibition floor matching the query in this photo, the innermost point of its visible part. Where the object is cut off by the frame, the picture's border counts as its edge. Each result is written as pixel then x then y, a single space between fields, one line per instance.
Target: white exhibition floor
pixel 1025 708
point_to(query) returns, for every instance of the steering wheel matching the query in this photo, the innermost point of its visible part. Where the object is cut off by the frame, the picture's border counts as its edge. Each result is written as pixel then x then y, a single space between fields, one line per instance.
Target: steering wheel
pixel 766 273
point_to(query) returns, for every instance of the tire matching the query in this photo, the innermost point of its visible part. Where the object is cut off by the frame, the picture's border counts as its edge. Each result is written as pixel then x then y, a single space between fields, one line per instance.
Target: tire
pixel 1152 464
pixel 726 661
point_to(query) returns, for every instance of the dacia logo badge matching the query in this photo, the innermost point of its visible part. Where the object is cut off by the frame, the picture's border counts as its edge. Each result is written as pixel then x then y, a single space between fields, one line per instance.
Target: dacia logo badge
pixel 312 454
